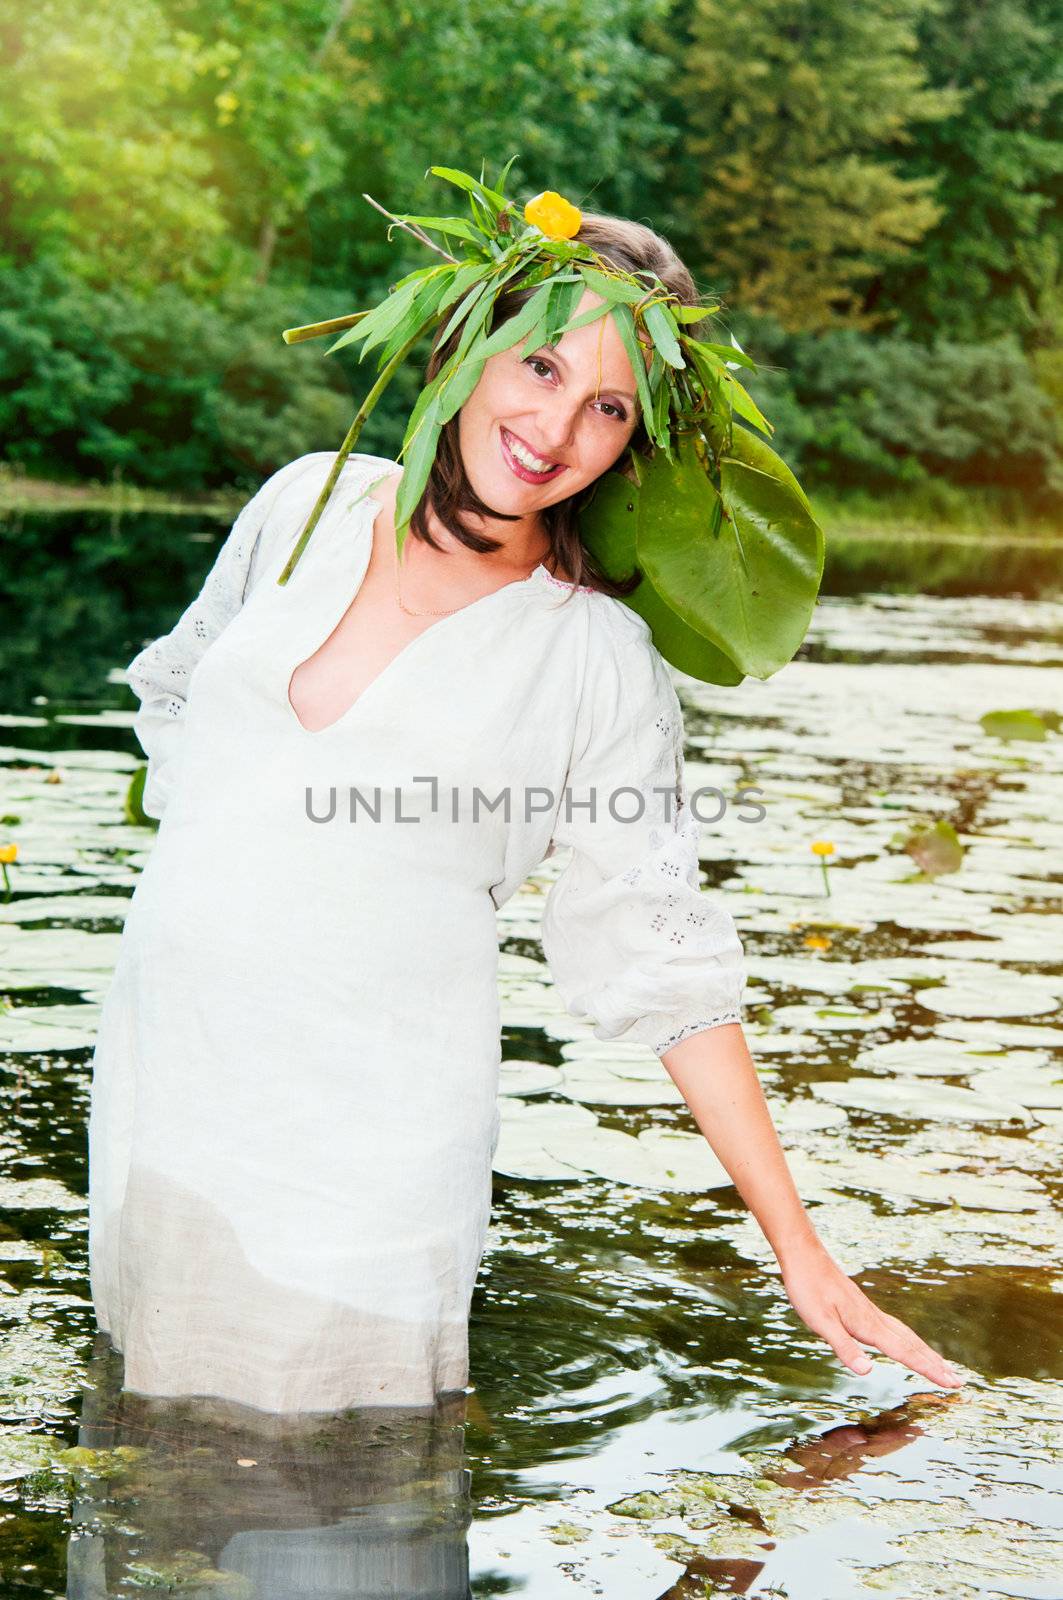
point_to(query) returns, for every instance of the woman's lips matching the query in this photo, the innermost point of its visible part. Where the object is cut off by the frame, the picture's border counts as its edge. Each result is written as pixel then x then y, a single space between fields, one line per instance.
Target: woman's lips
pixel 523 472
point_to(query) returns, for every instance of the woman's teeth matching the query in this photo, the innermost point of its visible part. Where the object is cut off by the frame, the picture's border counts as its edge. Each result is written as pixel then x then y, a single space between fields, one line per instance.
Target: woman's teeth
pixel 525 457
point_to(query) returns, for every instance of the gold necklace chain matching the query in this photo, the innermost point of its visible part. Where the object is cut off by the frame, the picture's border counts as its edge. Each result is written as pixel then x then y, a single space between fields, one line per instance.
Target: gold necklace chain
pixel 409 613
pixel 452 609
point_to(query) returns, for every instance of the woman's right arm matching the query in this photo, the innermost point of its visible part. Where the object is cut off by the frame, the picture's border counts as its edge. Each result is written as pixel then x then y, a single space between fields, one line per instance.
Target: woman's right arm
pixel 159 674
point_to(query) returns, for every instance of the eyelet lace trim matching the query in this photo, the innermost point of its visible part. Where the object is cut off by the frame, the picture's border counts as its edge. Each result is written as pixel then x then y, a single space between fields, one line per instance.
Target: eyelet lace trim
pixel 581 588
pixel 730 1015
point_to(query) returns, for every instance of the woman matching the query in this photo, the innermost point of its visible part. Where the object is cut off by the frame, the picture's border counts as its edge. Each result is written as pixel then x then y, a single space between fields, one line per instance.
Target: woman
pixel 294 1102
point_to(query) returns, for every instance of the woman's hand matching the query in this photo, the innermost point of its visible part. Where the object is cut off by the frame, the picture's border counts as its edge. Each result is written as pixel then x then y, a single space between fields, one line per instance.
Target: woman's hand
pixel 833 1306
pixel 717 1078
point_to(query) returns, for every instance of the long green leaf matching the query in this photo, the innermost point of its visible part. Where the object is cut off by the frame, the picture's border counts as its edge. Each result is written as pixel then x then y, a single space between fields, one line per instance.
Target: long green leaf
pixel 585 317
pixel 464 277
pixel 660 325
pixel 612 289
pixel 745 406
pixel 565 294
pixel 455 392
pixel 484 288
pixel 625 323
pixel 420 317
pixel 662 395
pixel 448 225
pixel 694 313
pixel 417 454
pixel 378 322
pixel 530 315
pixel 462 180
pixel 725 352
pixel 383 319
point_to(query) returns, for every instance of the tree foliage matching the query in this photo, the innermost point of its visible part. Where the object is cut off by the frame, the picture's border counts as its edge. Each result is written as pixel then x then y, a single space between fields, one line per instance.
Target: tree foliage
pixel 796 109
pixel 991 263
pixel 181 180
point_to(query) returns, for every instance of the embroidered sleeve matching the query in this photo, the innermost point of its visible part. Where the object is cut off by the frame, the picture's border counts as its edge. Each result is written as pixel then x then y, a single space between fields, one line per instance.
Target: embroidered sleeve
pixel 633 943
pixel 159 674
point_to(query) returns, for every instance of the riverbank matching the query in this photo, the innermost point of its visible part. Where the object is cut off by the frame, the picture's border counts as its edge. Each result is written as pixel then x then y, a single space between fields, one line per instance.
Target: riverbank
pixel 953 518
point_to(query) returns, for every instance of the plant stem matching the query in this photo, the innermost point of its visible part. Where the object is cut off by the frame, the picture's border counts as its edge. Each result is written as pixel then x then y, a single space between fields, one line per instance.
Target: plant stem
pixel 423 237
pixel 314 330
pixel 345 449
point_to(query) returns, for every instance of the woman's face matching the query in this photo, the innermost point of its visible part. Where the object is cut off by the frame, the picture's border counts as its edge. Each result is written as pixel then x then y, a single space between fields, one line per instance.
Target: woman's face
pixel 571 407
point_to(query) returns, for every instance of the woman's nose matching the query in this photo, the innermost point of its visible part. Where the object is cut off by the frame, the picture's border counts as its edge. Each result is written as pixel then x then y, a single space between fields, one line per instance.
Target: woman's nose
pixel 556 430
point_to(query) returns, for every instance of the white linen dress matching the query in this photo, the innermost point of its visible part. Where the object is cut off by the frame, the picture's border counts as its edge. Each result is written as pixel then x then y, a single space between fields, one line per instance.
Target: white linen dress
pixel 294 1103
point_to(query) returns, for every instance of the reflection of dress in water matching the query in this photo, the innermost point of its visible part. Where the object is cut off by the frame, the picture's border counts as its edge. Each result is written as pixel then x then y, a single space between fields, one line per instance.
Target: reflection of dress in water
pixel 294 1094
pixel 370 1505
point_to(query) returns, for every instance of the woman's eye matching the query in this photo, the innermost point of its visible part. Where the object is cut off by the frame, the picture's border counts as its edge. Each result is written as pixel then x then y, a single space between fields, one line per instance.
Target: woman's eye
pixel 537 361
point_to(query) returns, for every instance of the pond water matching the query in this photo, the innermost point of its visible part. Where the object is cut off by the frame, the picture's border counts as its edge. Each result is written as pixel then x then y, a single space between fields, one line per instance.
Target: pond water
pixel 646 1416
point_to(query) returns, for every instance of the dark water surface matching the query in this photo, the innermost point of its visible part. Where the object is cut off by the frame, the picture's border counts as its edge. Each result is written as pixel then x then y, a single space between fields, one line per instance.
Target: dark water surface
pixel 646 1416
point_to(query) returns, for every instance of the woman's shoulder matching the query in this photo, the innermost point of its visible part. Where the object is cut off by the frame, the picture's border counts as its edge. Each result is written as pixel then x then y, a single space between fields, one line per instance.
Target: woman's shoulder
pixel 623 662
pixel 303 478
pixel 358 468
pixel 279 509
pixel 616 627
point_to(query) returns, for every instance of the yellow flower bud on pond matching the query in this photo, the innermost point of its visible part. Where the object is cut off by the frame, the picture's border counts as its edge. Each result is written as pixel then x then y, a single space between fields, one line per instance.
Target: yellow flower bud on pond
pixel 822 847
pixel 553 215
pixel 8 852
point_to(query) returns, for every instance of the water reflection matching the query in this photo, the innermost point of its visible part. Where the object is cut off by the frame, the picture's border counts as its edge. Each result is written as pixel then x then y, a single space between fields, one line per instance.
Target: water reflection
pixel 215 1498
pixel 635 1363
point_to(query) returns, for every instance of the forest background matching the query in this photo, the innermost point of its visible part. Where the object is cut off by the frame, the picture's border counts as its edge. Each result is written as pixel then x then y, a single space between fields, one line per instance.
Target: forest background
pixel 876 192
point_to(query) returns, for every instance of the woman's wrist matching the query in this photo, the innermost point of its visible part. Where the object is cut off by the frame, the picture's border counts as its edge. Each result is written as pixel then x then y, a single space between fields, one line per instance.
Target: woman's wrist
pixel 799 1246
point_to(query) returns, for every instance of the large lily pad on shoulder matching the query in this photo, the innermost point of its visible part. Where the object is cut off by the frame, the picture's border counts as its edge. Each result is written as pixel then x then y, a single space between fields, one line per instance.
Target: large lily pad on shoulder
pixel 730 575
pixel 609 527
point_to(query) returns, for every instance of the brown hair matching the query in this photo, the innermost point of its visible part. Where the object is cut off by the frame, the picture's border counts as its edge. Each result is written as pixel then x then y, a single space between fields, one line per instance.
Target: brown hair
pixel 632 247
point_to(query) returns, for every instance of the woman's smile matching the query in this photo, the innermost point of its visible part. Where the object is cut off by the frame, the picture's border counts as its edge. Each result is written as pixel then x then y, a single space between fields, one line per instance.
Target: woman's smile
pixel 523 461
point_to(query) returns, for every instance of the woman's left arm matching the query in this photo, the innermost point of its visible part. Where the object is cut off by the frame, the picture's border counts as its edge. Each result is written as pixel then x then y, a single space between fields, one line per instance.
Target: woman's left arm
pixel 714 1072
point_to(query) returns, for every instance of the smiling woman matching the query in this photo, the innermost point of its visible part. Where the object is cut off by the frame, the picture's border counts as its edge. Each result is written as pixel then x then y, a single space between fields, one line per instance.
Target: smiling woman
pixel 572 406
pixel 294 1104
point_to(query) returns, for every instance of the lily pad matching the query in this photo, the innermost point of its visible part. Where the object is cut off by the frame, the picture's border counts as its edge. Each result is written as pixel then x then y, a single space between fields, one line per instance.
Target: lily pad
pixel 671 1161
pixel 919 1099
pixel 939 1058
pixel 988 1036
pixel 1013 994
pixel 595 1083
pixel 521 1152
pixel 1033 1087
pixel 527 1077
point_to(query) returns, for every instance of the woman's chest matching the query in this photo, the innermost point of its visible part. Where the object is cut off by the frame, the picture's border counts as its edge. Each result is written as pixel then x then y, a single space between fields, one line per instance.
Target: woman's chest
pixel 367 640
pixel 486 697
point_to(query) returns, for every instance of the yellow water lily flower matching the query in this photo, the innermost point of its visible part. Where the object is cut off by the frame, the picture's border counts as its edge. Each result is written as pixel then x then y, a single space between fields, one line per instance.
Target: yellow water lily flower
pixel 8 852
pixel 823 848
pixel 553 215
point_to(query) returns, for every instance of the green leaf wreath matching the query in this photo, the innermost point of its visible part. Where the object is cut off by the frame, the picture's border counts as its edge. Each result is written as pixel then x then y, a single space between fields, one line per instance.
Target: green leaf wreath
pixel 730 551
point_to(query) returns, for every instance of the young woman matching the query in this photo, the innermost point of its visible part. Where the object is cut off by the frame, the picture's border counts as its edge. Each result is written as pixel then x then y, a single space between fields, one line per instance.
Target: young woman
pixel 294 1100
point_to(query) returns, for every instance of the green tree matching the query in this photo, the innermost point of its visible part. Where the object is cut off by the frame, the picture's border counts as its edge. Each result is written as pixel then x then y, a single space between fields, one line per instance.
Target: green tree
pixel 271 138
pixel 566 85
pixel 990 264
pixel 793 112
pixel 103 162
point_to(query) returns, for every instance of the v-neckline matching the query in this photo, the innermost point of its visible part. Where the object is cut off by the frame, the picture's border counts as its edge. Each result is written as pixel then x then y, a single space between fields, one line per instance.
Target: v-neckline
pixel 389 667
